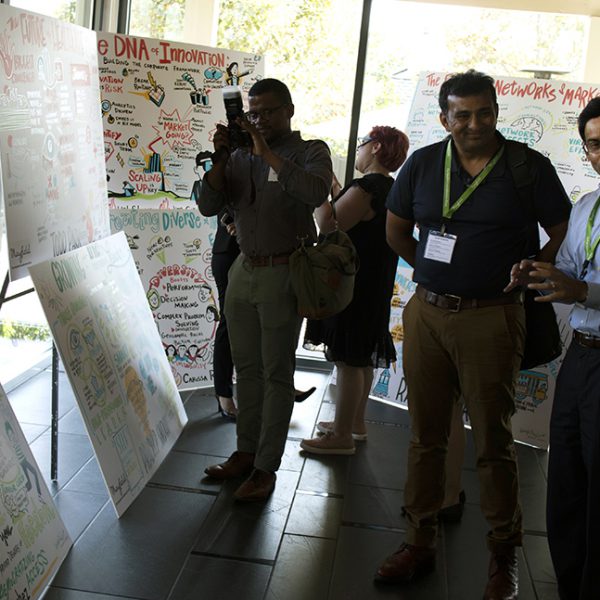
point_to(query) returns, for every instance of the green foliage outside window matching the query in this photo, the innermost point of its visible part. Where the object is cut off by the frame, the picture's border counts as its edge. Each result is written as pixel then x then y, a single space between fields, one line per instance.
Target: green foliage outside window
pixel 17 330
pixel 159 19
pixel 311 45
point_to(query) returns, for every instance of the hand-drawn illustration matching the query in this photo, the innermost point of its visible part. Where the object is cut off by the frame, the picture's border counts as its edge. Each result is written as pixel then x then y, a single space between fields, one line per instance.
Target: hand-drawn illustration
pixel 34 538
pixel 115 361
pixel 172 251
pixel 160 103
pixel 234 77
pixel 53 168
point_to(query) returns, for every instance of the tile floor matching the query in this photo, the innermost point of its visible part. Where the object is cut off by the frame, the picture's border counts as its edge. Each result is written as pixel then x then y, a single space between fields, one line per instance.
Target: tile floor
pixel 321 535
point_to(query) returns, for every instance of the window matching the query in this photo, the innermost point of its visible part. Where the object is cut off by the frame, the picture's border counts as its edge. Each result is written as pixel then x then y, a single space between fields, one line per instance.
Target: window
pixel 407 38
pixel 71 11
pixel 311 45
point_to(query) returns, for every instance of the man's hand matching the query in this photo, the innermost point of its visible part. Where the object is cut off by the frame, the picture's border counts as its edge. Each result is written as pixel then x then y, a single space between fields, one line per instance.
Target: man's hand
pixel 259 144
pixel 221 144
pixel 562 288
pixel 519 275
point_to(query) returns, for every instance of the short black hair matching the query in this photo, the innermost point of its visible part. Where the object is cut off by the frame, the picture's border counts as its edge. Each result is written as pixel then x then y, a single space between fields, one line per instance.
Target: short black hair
pixel 272 86
pixel 470 83
pixel 591 111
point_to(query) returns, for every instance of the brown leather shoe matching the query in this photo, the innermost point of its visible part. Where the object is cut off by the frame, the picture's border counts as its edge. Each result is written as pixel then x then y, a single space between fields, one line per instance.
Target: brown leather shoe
pixel 406 564
pixel 259 486
pixel 503 577
pixel 237 465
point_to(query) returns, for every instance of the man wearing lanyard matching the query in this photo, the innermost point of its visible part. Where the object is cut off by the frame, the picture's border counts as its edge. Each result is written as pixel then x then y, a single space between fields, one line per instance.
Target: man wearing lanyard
pixel 573 517
pixel 463 336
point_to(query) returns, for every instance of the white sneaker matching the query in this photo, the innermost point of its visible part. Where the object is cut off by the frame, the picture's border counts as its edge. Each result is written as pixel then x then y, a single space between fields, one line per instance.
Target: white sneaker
pixel 327 427
pixel 326 444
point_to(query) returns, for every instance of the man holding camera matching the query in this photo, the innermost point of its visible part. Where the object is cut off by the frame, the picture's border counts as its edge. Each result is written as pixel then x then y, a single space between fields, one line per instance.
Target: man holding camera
pixel 271 186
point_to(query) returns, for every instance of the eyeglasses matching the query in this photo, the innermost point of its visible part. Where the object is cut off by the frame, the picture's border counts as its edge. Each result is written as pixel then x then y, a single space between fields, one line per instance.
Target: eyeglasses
pixel 591 147
pixel 362 141
pixel 254 115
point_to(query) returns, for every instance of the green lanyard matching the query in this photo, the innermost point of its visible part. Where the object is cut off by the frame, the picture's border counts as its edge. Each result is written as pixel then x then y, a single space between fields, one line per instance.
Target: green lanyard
pixel 590 247
pixel 448 210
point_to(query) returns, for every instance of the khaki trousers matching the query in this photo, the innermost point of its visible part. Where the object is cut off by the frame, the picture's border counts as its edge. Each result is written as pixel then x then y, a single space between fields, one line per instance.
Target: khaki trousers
pixel 263 326
pixel 474 353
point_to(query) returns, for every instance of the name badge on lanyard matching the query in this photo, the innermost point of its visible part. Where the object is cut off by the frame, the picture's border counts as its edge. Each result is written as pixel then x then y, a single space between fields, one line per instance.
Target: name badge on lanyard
pixel 440 245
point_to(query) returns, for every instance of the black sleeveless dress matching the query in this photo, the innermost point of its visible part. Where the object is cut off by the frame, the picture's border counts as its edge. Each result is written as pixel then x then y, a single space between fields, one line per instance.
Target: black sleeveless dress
pixel 359 336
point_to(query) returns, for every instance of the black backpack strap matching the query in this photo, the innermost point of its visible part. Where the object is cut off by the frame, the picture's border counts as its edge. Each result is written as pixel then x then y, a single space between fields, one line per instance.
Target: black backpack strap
pixel 523 174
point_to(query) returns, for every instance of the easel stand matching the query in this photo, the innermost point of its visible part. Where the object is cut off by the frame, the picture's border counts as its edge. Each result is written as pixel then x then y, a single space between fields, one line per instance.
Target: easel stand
pixel 54 418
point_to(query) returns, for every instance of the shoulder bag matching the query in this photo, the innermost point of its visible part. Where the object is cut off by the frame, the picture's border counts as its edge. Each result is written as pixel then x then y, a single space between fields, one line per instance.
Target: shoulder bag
pixel 322 275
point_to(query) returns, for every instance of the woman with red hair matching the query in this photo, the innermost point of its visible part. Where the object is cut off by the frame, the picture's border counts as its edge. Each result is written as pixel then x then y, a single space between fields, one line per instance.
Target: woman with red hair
pixel 357 340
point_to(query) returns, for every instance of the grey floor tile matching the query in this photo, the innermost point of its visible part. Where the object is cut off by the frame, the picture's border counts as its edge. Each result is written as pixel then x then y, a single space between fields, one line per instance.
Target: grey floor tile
pixel 32 400
pixel 324 474
pixel 543 460
pixel 72 422
pixel 303 569
pixel 89 480
pixel 329 394
pixel 74 451
pixel 251 531
pixel 367 505
pixel 326 413
pixel 221 579
pixel 33 432
pixel 330 523
pixel 467 558
pixel 78 510
pixel 186 470
pixel 206 431
pixel 359 553
pixel 293 458
pixel 56 593
pixel 385 413
pixel 532 487
pixel 304 417
pixel 466 554
pixel 316 516
pixel 538 558
pixel 139 555
pixel 305 413
pixel 381 460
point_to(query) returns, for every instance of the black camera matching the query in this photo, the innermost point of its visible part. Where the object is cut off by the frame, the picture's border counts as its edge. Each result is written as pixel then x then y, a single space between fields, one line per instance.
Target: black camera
pixel 234 108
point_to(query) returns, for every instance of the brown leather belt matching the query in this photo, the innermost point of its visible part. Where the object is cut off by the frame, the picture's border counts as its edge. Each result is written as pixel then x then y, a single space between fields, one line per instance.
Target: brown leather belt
pixel 267 261
pixel 457 303
pixel 587 340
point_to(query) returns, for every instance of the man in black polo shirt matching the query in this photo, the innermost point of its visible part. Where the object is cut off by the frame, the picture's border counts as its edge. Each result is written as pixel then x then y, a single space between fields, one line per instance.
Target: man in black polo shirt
pixel 462 335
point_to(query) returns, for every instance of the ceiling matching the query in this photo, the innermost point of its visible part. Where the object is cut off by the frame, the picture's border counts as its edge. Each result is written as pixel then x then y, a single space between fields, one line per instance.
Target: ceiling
pixel 573 7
